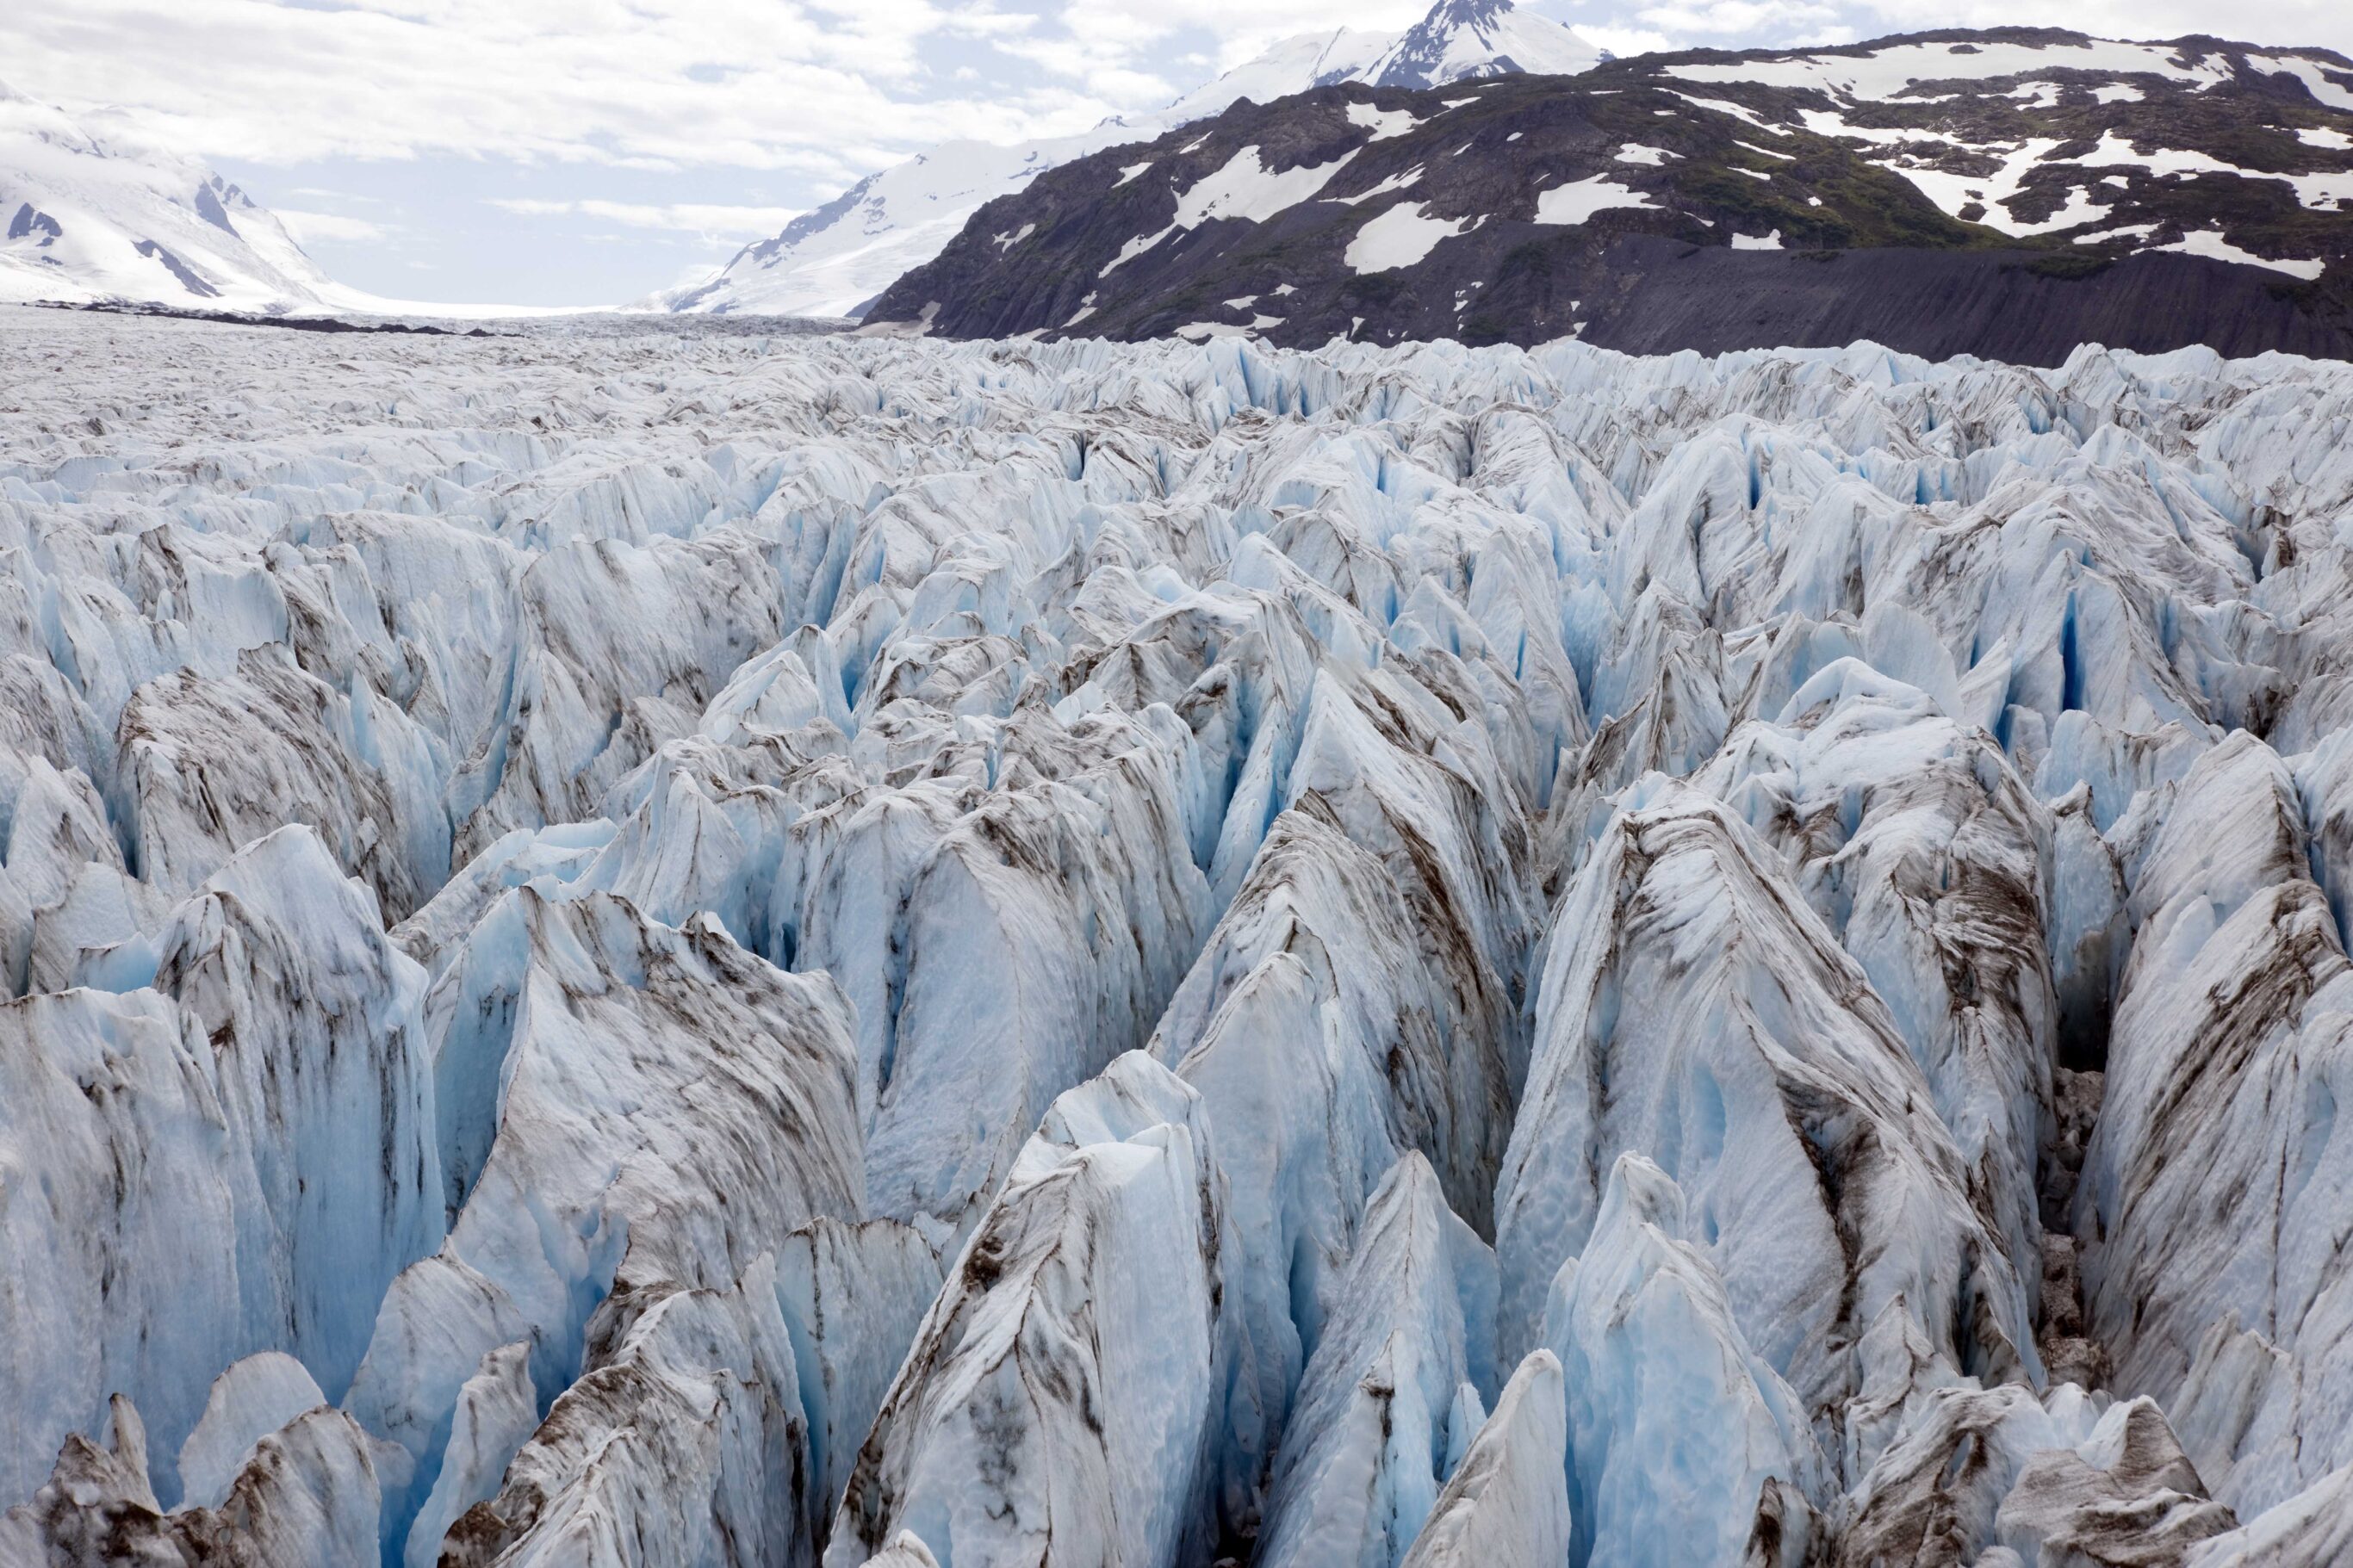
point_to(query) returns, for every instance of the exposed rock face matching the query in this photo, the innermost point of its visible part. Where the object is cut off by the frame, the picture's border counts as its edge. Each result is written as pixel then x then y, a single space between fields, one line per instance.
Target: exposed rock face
pixel 2009 194
pixel 822 950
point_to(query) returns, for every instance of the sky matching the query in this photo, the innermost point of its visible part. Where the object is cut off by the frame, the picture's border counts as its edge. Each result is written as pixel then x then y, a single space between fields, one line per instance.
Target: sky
pixel 590 152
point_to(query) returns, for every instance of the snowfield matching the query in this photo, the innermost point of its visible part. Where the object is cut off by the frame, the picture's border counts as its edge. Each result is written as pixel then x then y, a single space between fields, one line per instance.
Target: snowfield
pixel 637 946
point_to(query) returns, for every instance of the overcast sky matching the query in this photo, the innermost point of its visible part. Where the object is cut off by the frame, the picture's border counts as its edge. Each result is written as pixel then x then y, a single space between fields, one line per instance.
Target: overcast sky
pixel 588 151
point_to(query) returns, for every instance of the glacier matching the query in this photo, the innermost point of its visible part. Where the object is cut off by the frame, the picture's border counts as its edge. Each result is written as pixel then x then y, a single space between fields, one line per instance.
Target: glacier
pixel 649 943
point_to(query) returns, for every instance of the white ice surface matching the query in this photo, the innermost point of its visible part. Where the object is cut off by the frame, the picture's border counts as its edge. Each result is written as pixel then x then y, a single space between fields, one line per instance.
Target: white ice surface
pixel 621 941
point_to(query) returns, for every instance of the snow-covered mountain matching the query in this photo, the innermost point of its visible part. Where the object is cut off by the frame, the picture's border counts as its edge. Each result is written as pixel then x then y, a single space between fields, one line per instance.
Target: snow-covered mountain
pixel 94 212
pixel 1463 40
pixel 834 261
pixel 693 948
pixel 2009 192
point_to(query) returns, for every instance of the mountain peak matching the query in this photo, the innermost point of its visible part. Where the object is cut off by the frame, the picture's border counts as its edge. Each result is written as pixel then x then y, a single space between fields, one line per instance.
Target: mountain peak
pixel 1460 40
pixel 98 208
pixel 839 257
pixel 1451 14
pixel 1622 206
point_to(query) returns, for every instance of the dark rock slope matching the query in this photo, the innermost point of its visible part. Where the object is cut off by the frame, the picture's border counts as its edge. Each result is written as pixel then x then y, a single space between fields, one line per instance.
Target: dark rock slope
pixel 2009 194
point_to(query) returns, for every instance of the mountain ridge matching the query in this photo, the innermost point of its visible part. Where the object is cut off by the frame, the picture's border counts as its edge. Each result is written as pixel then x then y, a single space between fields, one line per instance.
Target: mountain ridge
pixel 837 259
pixel 87 217
pixel 1502 212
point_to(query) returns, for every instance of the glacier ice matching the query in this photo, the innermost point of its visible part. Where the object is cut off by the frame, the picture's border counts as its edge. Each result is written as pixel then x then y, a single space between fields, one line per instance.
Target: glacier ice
pixel 1671 1415
pixel 628 945
pixel 1504 1504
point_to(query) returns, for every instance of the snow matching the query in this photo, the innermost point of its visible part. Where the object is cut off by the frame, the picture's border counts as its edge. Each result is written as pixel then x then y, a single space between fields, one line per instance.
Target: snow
pixel 1242 187
pixel 1579 199
pixel 2213 243
pixel 106 215
pixel 1384 123
pixel 1459 40
pixel 1725 106
pixel 2325 81
pixel 623 941
pixel 1882 74
pixel 2327 136
pixel 833 261
pixel 1403 180
pixel 1954 193
pixel 1634 153
pixel 1399 236
pixel 1771 241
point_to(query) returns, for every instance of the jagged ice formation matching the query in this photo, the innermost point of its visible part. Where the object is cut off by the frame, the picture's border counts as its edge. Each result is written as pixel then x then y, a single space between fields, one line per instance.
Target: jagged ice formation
pixel 632 947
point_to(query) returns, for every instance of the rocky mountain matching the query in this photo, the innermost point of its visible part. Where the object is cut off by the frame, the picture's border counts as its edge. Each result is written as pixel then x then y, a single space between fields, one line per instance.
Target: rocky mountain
pixel 667 948
pixel 98 213
pixel 835 260
pixel 2009 193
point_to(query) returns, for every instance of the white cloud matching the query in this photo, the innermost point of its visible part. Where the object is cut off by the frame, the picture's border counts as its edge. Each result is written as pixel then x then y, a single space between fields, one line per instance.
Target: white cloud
pixel 824 88
pixel 1632 28
pixel 309 227
pixel 1793 19
pixel 708 220
pixel 1627 40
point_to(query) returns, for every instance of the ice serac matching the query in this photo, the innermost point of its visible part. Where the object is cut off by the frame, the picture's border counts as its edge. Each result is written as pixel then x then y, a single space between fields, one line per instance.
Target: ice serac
pixel 275 1030
pixel 312 1020
pixel 252 1399
pixel 307 1495
pixel 1368 1440
pixel 2312 1528
pixel 1695 1011
pixel 1921 848
pixel 496 1413
pixel 1015 917
pixel 683 1439
pixel 853 1297
pixel 1316 1035
pixel 2209 1270
pixel 1040 932
pixel 1505 1505
pixel 1059 1399
pixel 623 644
pixel 1671 1414
pixel 1997 1475
pixel 115 1098
pixel 670 1107
pixel 209 765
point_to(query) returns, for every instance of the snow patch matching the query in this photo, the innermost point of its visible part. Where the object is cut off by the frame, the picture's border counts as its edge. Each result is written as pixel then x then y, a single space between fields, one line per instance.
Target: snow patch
pixel 2210 242
pixel 1398 237
pixel 1383 122
pixel 1577 202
